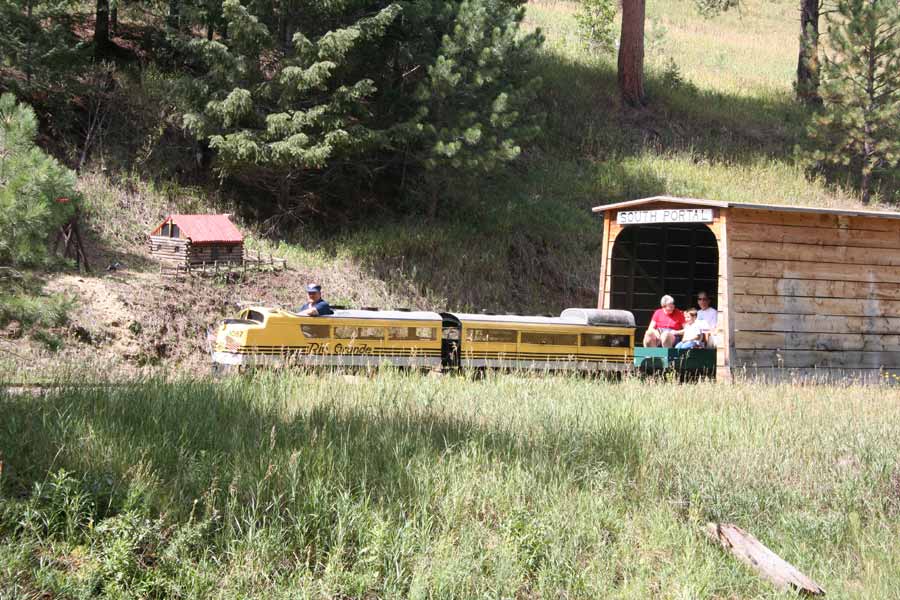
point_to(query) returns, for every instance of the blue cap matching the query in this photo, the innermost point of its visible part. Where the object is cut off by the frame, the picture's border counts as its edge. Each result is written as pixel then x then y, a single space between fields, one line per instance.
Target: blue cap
pixel 313 287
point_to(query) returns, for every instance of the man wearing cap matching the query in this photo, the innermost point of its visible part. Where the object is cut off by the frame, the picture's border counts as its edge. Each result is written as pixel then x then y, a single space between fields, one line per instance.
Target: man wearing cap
pixel 315 306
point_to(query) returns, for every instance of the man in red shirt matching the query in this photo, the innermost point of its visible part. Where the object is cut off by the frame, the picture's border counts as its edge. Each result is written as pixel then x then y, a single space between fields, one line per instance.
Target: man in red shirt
pixel 666 325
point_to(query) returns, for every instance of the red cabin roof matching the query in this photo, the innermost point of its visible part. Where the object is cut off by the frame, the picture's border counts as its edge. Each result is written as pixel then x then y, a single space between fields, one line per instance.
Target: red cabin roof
pixel 206 229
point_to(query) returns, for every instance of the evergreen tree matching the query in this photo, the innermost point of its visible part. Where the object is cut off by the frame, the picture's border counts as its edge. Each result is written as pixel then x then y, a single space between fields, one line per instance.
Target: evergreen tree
pixel 272 113
pixel 36 39
pixel 471 107
pixel 37 194
pixel 808 60
pixel 859 125
pixel 302 87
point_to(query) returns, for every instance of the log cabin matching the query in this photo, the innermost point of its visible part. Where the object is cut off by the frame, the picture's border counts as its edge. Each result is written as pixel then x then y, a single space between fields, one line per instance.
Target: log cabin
pixel 801 292
pixel 197 239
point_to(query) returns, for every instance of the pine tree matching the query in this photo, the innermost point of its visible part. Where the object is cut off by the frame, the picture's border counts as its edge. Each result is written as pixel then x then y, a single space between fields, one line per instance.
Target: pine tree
pixel 272 113
pixel 37 194
pixel 859 125
pixel 36 39
pixel 807 86
pixel 303 88
pixel 472 104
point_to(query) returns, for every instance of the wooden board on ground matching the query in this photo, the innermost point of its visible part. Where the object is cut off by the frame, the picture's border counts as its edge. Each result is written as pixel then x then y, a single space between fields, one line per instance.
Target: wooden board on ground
pixel 750 551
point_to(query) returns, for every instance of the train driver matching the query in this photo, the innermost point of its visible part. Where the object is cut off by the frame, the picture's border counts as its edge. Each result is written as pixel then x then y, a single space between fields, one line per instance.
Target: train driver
pixel 666 325
pixel 315 306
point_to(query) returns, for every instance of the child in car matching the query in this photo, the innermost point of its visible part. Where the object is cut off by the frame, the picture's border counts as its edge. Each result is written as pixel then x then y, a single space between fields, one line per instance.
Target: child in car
pixel 694 331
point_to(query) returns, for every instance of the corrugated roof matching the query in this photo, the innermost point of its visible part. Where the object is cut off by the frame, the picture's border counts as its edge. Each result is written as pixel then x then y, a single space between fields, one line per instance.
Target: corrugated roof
pixel 719 204
pixel 207 229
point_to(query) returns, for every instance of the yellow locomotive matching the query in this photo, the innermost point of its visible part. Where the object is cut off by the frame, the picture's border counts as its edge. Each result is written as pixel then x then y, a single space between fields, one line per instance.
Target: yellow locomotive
pixel 577 340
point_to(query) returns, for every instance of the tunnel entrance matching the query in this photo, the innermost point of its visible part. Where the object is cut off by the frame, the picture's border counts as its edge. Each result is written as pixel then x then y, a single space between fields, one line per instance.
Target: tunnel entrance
pixel 651 260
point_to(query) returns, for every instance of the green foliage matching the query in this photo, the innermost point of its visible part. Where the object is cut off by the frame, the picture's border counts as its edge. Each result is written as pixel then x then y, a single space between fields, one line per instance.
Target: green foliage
pixel 472 106
pixel 859 126
pixel 323 486
pixel 273 112
pixel 436 85
pixel 711 8
pixel 36 38
pixel 37 194
pixel 596 21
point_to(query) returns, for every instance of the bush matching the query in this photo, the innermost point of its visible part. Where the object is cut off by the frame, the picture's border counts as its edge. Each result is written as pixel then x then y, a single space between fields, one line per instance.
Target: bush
pixel 37 193
pixel 44 311
pixel 596 21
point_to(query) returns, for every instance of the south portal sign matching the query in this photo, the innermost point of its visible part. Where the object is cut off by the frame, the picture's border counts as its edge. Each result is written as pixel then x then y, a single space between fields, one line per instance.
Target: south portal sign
pixel 666 215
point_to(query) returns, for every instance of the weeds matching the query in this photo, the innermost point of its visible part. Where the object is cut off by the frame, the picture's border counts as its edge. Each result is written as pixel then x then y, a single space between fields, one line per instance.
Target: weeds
pixel 412 486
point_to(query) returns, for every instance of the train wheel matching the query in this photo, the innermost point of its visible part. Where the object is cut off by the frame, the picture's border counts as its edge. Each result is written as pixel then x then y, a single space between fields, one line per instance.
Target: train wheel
pixel 220 371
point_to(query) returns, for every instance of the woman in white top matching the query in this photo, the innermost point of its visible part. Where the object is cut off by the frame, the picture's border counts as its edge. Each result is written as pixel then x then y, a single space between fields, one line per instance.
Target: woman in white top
pixel 706 312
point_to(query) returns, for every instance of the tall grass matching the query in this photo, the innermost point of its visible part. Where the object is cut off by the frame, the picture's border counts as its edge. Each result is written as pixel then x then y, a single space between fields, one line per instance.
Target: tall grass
pixel 414 486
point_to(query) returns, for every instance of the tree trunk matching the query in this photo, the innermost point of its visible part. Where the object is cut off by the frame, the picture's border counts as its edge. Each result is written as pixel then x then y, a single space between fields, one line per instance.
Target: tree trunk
pixel 29 10
pixel 870 158
pixel 114 19
pixel 173 19
pixel 808 61
pixel 631 53
pixel 101 27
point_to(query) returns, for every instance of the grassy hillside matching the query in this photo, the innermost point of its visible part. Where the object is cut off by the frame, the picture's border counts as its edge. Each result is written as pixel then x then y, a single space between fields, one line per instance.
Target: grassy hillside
pixel 721 123
pixel 422 487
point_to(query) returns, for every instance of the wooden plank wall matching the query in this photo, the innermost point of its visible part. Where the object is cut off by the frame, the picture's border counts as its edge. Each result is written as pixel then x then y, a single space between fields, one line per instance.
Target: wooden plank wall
pixel 182 251
pixel 818 293
pixel 168 249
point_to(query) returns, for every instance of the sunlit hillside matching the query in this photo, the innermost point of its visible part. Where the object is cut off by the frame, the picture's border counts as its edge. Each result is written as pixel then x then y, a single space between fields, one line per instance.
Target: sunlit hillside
pixel 721 123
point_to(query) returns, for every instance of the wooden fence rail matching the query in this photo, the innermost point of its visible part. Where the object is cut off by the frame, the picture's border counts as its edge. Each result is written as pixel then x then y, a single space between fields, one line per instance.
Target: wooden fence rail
pixel 253 262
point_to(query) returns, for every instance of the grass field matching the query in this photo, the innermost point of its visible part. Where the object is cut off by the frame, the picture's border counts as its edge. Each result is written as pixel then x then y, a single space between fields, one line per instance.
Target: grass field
pixel 397 486
pixel 410 486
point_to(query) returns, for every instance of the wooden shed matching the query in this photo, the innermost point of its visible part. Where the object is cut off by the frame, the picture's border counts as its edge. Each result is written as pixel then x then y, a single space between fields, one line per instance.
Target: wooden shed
pixel 800 291
pixel 197 239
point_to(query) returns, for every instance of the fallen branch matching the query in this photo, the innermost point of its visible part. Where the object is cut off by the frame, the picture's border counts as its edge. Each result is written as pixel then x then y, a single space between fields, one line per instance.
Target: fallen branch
pixel 769 565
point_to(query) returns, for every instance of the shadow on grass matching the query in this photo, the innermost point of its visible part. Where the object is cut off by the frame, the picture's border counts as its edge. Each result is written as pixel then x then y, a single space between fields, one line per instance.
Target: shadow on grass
pixel 585 117
pixel 171 444
pixel 524 239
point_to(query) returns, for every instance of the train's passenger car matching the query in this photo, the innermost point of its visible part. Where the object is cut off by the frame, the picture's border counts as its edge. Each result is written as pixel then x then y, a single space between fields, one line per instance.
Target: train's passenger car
pixel 577 340
pixel 267 336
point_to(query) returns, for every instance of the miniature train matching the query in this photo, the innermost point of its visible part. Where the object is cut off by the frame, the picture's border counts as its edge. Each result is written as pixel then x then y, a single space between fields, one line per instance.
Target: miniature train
pixel 584 340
